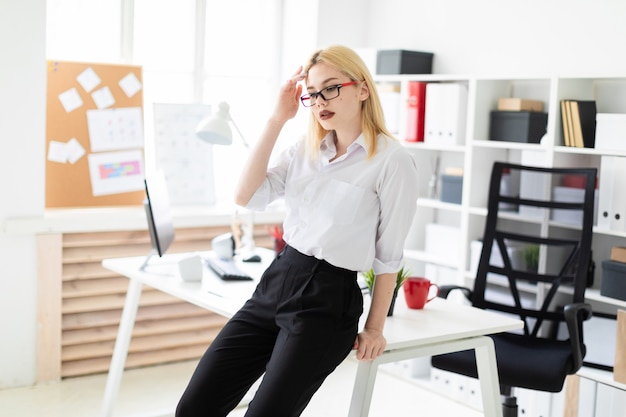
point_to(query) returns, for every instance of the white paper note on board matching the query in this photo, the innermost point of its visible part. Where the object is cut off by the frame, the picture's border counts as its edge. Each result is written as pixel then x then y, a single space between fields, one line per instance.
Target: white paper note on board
pixel 116 172
pixel 115 129
pixel 70 99
pixel 130 84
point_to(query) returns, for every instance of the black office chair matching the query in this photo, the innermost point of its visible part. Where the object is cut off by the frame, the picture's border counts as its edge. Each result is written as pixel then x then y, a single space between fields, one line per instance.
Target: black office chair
pixel 539 358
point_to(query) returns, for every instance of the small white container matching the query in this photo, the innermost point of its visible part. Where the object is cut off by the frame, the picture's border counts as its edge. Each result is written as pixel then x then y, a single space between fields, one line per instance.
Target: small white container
pixel 611 131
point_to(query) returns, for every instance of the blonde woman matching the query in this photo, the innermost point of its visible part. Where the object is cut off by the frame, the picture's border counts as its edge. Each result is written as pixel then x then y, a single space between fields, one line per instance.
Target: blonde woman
pixel 350 192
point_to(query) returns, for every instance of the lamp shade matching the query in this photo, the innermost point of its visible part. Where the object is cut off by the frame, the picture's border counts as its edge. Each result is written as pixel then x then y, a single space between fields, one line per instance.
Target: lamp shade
pixel 215 129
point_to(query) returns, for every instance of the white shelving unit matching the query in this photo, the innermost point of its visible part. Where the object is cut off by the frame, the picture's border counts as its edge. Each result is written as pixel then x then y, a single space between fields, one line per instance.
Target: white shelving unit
pixel 477 154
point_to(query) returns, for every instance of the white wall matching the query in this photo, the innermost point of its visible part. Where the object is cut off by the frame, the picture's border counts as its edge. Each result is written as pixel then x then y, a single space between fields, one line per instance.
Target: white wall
pixel 505 36
pixel 22 127
pixel 467 37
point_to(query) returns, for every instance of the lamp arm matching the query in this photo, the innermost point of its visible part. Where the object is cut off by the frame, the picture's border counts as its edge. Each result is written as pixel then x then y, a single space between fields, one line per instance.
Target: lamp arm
pixel 245 143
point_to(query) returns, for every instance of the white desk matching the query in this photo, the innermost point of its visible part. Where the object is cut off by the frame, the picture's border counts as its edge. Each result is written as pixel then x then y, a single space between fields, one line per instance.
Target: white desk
pixel 441 327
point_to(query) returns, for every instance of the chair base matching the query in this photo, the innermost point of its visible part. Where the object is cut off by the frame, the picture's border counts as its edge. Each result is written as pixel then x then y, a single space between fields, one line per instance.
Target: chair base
pixel 509 407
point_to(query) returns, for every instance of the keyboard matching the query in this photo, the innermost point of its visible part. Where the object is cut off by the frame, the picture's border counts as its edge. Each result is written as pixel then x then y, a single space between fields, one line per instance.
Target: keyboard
pixel 227 270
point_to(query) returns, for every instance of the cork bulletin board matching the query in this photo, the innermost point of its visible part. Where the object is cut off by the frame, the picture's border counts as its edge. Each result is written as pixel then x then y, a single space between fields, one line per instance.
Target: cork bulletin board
pixel 94 135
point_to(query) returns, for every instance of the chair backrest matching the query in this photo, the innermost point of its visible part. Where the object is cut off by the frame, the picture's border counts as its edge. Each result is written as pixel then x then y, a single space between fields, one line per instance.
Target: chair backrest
pixel 538 222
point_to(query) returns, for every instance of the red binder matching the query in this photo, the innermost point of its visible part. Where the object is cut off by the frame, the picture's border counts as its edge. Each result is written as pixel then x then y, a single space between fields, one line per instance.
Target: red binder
pixel 415 111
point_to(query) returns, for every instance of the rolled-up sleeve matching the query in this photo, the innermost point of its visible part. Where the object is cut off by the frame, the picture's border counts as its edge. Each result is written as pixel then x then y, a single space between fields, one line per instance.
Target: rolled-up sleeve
pixel 273 186
pixel 397 190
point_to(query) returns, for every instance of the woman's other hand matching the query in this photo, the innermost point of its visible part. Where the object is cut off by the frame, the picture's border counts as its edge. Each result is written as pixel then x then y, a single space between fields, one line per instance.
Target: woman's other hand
pixel 369 345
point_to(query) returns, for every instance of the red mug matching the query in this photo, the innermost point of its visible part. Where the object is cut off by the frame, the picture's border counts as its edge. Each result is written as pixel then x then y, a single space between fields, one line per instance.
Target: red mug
pixel 417 292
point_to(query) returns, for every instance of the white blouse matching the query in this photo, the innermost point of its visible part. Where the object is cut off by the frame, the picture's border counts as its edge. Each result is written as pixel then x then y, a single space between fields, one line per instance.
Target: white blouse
pixel 352 212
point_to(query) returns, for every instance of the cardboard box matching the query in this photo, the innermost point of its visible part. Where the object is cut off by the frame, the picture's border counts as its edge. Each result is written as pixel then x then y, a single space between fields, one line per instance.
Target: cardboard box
pixel 613 283
pixel 517 126
pixel 519 104
pixel 618 254
pixel 398 61
pixel 610 131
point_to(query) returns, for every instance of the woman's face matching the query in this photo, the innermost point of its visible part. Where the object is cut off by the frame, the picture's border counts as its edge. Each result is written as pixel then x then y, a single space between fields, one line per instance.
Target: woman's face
pixel 335 112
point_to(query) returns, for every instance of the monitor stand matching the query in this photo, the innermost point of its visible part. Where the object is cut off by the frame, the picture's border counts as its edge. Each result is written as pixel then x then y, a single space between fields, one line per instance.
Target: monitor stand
pixel 148 257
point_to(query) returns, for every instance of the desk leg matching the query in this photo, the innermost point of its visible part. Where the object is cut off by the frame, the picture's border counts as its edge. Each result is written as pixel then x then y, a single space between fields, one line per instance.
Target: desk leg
pixel 363 388
pixel 488 377
pixel 120 352
pixel 485 362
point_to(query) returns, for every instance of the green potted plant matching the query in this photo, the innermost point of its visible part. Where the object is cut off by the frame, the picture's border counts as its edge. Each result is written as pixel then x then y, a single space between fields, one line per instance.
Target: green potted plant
pixel 402 276
pixel 531 257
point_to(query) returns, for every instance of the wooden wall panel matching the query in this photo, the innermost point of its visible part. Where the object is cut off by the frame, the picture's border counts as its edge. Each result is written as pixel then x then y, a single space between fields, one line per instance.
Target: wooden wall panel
pixel 49 298
pixel 92 298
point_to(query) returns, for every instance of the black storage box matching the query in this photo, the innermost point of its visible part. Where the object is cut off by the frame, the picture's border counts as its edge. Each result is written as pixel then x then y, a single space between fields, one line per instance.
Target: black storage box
pixel 451 188
pixel 517 126
pixel 397 61
pixel 613 283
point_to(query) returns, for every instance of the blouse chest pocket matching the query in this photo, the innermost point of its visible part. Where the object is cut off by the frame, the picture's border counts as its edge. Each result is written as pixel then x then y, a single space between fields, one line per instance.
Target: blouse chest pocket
pixel 340 202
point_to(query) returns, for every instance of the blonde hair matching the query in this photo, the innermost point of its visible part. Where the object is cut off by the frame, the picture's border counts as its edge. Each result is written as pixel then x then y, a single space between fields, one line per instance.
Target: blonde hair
pixel 372 122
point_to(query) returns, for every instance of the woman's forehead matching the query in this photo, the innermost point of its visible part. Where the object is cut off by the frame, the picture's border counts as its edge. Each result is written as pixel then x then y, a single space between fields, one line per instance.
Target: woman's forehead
pixel 321 73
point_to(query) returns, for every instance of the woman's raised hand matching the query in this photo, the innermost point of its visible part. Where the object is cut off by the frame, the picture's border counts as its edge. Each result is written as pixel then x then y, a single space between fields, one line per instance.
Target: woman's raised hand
pixel 289 97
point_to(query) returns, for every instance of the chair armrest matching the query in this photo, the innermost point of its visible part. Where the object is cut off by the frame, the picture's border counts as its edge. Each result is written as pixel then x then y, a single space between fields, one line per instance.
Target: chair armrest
pixel 575 314
pixel 444 291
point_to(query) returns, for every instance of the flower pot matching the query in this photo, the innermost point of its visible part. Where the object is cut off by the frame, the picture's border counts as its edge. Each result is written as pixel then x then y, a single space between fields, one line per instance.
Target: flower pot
pixel 393 303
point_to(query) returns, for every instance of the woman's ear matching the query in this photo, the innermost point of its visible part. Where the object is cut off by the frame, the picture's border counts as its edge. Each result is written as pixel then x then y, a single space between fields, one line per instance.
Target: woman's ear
pixel 365 91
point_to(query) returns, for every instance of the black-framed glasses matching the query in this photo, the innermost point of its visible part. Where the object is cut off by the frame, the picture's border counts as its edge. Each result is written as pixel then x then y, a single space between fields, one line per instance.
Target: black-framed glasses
pixel 328 93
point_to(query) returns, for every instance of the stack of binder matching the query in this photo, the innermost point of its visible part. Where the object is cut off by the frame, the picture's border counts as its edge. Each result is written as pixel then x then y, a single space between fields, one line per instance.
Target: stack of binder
pixel 445 114
pixel 612 199
pixel 415 109
pixel 578 118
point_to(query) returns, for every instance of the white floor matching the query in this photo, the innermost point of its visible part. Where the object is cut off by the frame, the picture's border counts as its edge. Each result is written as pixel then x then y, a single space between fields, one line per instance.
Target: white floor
pixel 154 391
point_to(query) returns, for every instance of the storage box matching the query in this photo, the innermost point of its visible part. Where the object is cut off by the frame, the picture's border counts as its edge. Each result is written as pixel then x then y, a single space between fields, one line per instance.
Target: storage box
pixel 516 255
pixel 618 254
pixel 398 61
pixel 568 195
pixel 391 102
pixel 517 126
pixel 571 195
pixel 519 104
pixel 613 283
pixel 611 131
pixel 451 188
pixel 441 241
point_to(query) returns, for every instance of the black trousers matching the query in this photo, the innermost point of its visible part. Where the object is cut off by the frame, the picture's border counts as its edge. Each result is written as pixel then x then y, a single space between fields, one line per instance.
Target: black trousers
pixel 300 323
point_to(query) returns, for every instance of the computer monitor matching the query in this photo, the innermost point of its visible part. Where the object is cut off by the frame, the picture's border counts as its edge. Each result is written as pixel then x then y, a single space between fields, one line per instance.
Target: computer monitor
pixel 158 215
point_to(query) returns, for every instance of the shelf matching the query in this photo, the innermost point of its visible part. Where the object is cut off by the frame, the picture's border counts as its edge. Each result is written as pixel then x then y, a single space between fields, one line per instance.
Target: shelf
pixel 587 151
pixel 477 154
pixel 494 144
pixel 594 295
pixel 500 281
pixel 590 293
pixel 508 215
pixel 437 204
pixel 478 211
pixel 603 377
pixel 608 232
pixel 419 77
pixel 432 147
pixel 422 256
